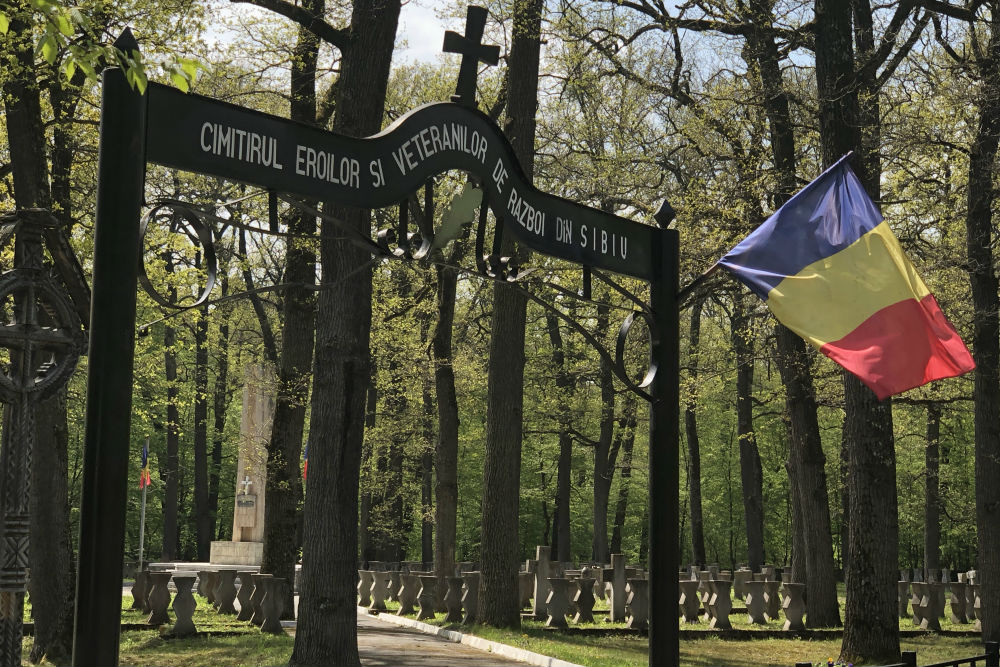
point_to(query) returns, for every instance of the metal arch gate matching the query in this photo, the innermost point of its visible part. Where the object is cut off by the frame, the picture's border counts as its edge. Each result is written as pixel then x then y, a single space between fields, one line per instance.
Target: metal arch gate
pixel 202 135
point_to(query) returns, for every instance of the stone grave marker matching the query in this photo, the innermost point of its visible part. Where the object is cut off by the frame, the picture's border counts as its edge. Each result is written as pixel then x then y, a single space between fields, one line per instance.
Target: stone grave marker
pixel 557 602
pixel 637 606
pixel 184 605
pixel 470 597
pixel 243 596
pixel 794 606
pixel 959 593
pixel 720 605
pixel 159 598
pixel 453 600
pixel 273 605
pixel 754 600
pixel 583 599
pixel 690 601
pixel 225 592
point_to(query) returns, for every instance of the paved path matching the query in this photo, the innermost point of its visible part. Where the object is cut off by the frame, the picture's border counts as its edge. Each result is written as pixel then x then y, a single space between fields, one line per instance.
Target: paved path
pixel 385 644
pixel 381 643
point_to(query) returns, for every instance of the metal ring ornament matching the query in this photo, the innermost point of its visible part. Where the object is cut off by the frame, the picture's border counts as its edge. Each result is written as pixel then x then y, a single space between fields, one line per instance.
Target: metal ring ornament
pixel 65 340
pixel 623 333
pixel 204 234
pixel 386 240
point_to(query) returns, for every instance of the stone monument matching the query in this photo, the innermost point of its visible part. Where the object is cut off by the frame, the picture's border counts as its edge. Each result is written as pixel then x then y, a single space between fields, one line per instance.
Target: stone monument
pixel 247 545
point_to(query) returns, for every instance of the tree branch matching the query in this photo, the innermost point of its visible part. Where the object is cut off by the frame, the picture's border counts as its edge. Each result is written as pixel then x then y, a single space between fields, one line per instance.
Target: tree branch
pixel 314 24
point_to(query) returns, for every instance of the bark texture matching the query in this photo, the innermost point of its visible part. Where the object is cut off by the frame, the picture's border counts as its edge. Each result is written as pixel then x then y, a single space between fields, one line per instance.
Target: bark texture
pixel 693 445
pixel 446 446
pixel 986 330
pixel 499 604
pixel 812 543
pixel 751 471
pixel 605 452
pixel 564 385
pixel 932 509
pixel 871 628
pixel 284 447
pixel 327 624
pixel 203 517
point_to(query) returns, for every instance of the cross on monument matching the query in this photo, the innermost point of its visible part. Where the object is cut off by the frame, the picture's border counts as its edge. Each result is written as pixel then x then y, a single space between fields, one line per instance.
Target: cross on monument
pixel 473 52
pixel 246 484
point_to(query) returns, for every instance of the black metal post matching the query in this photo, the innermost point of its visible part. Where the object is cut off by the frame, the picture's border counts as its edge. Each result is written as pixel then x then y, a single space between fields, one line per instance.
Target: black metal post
pixel 664 476
pixel 121 172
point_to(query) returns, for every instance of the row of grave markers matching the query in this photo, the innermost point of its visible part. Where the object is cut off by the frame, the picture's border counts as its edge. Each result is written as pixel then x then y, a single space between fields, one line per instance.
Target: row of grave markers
pixel 926 599
pixel 569 592
pixel 554 591
pixel 261 597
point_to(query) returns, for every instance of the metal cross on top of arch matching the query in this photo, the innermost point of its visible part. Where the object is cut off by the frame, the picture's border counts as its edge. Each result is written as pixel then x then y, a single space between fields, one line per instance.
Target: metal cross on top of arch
pixel 296 162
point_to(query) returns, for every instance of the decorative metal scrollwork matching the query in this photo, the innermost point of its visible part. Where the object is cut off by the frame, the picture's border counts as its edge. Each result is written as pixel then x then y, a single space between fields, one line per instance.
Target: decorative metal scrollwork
pixel 401 243
pixel 178 214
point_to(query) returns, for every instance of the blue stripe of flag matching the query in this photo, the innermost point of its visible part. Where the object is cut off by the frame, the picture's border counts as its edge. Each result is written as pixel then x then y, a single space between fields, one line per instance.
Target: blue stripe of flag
pixel 822 219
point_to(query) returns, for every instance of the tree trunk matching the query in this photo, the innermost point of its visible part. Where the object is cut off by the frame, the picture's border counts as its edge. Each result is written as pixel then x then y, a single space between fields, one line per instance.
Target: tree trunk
pixel 751 471
pixel 626 436
pixel 604 453
pixel 220 400
pixel 446 450
pixel 427 471
pixel 284 448
pixel 564 385
pixel 799 556
pixel 499 604
pixel 169 468
pixel 932 512
pixel 871 629
pixel 203 518
pixel 327 624
pixel 52 593
pixel 986 330
pixel 812 541
pixel 693 446
pixel 365 545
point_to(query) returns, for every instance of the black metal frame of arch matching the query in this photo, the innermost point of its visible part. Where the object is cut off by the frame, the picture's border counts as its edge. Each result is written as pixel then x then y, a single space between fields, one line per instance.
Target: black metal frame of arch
pixel 290 160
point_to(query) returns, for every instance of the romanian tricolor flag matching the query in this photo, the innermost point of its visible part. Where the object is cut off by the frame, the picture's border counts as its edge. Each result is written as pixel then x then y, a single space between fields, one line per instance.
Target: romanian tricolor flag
pixel 305 461
pixel 144 478
pixel 832 271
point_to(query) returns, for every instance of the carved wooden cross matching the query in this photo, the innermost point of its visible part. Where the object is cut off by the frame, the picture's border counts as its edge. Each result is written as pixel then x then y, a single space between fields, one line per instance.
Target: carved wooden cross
pixel 473 52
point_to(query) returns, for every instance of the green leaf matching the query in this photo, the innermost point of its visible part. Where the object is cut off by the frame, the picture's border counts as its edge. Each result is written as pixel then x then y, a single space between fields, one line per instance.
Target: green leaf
pixel 63 23
pixel 190 67
pixel 180 81
pixel 4 24
pixel 48 47
pixel 78 18
pixel 70 69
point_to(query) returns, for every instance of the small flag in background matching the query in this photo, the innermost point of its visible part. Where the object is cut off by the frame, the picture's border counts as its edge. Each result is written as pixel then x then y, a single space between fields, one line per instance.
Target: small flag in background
pixel 305 461
pixel 832 271
pixel 144 478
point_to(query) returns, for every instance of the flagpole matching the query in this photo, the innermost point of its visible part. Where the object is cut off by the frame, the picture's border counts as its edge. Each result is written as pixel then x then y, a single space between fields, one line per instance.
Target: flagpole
pixel 142 515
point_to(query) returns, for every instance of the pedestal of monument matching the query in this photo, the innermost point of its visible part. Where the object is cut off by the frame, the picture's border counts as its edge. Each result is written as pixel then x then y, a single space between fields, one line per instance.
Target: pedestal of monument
pixel 237 553
pixel 247 545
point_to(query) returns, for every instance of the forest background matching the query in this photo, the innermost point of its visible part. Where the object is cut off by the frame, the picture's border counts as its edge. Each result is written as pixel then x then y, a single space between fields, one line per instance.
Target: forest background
pixel 632 109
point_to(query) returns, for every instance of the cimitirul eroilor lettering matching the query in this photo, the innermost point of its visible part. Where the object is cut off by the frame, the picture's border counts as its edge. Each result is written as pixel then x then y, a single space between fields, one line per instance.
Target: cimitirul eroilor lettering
pixel 239 144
